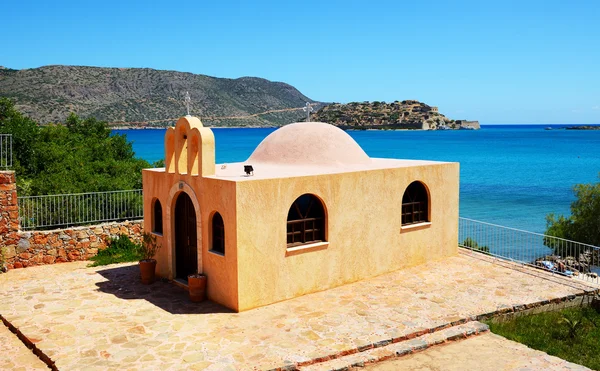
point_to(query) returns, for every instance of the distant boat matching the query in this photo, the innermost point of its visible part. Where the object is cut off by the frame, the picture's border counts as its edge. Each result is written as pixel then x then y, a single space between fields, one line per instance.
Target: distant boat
pixel 548 128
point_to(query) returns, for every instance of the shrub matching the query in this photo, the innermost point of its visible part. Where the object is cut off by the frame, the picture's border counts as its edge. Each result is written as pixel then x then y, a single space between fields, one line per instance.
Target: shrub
pixel 119 250
pixel 472 244
pixel 149 248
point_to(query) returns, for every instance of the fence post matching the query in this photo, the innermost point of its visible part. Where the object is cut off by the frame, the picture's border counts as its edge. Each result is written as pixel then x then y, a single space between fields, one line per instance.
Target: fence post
pixel 9 217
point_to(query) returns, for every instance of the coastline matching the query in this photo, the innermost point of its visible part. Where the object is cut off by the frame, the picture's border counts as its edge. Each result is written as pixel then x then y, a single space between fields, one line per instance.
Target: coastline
pixel 211 127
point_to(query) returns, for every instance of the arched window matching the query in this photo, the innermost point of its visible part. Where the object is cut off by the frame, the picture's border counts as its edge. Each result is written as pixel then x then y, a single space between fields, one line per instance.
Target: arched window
pixel 305 221
pixel 157 222
pixel 415 204
pixel 218 234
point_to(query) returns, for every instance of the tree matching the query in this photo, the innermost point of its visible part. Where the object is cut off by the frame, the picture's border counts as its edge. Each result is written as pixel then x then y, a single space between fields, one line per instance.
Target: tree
pixel 583 225
pixel 24 136
pixel 80 156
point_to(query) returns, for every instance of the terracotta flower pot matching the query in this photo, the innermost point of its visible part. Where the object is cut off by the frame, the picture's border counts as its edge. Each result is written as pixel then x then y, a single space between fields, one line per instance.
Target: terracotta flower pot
pixel 148 269
pixel 197 287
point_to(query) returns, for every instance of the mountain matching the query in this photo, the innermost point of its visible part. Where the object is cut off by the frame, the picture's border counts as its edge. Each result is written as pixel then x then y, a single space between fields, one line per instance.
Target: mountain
pixel 408 114
pixel 149 97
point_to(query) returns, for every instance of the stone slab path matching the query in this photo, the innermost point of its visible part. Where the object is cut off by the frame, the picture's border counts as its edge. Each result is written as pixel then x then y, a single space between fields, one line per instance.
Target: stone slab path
pixel 401 348
pixel 103 318
pixel 14 355
pixel 484 352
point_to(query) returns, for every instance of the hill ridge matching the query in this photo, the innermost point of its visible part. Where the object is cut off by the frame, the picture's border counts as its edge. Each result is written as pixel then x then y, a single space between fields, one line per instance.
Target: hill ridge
pixel 48 94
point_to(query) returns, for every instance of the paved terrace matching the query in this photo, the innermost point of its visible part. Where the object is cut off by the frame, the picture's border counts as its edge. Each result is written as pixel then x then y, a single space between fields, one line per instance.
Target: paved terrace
pixel 103 318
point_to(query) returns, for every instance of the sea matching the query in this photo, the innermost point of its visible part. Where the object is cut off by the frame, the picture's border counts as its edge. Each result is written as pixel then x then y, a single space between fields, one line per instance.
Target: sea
pixel 510 175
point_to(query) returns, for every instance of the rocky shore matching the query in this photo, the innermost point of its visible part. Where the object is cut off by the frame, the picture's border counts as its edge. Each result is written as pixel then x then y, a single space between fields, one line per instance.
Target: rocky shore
pixel 570 265
pixel 583 127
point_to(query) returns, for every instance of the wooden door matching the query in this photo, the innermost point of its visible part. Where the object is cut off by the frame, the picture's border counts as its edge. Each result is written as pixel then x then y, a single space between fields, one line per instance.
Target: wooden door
pixel 186 251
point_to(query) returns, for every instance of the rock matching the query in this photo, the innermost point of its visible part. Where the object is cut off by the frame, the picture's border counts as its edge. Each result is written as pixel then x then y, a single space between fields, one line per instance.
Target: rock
pixel 119 339
pixel 8 251
pixel 23 245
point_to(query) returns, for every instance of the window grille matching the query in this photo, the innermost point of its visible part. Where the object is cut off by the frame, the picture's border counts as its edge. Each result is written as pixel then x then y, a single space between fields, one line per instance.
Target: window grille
pixel 306 221
pixel 415 205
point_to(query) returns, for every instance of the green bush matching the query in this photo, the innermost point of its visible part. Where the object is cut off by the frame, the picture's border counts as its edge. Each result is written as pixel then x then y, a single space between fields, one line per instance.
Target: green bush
pixel 471 243
pixel 119 250
pixel 79 156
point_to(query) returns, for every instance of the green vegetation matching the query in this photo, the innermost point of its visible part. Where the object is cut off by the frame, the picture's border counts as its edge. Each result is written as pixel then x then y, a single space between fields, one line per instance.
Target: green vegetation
pixel 471 243
pixel 80 156
pixel 571 334
pixel 119 250
pixel 50 93
pixel 149 247
pixel 582 225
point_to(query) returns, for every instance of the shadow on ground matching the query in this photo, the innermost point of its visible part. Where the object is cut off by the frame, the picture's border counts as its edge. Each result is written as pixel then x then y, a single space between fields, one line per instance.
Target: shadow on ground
pixel 125 283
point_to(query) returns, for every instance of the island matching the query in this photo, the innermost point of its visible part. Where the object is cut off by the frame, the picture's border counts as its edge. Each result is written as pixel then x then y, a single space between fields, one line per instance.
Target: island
pixel 398 115
pixel 583 127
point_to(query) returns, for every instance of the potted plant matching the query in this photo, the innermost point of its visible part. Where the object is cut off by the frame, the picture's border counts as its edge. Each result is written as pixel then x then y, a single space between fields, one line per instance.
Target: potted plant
pixel 197 287
pixel 148 249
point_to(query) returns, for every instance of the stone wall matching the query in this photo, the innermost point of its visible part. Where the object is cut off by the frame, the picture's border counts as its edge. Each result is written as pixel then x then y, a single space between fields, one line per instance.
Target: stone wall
pixel 21 249
pixel 9 213
pixel 65 245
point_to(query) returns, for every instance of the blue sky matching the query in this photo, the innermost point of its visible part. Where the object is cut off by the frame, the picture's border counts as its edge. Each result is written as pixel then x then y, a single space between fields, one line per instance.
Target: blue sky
pixel 492 61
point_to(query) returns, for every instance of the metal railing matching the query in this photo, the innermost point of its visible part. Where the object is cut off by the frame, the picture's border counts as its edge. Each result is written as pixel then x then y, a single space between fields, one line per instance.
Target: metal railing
pixel 6 150
pixel 558 255
pixel 67 210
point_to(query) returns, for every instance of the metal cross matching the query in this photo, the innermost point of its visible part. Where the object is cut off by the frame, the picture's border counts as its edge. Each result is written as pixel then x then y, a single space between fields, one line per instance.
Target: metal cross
pixel 308 109
pixel 188 101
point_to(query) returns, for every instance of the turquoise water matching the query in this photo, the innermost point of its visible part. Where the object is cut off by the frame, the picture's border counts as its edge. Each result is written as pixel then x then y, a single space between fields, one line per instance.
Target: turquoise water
pixel 511 175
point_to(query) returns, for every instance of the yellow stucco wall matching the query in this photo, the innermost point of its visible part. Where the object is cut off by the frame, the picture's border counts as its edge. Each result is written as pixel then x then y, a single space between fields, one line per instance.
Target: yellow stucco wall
pixel 364 230
pixel 209 195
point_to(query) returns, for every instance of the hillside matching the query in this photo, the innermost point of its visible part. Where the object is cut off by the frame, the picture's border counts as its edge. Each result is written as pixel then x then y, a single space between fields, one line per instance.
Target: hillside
pixel 48 94
pixel 408 114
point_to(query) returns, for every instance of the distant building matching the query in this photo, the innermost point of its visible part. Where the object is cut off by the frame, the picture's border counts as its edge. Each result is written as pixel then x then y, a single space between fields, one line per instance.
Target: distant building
pixel 469 125
pixel 309 210
pixel 434 109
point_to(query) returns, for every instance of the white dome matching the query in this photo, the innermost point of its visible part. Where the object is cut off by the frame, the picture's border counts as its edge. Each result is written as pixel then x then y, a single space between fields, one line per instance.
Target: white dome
pixel 309 143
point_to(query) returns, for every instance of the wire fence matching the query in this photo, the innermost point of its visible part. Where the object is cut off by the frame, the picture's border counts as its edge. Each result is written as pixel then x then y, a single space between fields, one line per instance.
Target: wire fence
pixel 6 150
pixel 67 210
pixel 558 255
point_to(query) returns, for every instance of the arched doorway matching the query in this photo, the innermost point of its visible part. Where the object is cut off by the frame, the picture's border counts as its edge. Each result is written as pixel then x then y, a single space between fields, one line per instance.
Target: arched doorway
pixel 186 250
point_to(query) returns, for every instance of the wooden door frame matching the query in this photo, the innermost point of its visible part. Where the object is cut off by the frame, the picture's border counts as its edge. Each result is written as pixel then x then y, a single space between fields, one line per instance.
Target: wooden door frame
pixel 176 189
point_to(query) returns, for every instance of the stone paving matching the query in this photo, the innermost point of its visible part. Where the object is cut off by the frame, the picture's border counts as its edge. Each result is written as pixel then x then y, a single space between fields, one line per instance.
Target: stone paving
pixel 103 318
pixel 14 355
pixel 484 352
pixel 401 348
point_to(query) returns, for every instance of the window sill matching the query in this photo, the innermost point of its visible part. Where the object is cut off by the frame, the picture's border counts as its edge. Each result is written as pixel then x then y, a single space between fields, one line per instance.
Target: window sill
pixel 306 248
pixel 217 253
pixel 157 234
pixel 415 227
